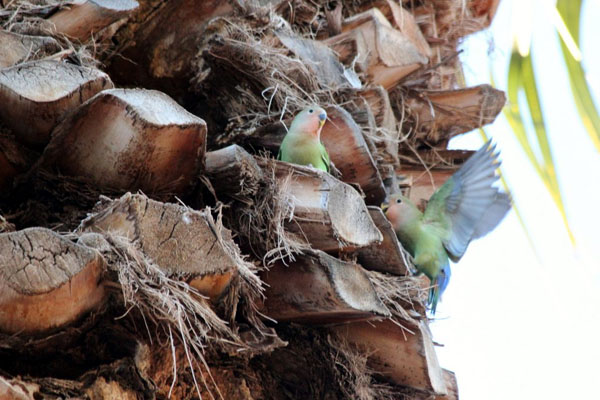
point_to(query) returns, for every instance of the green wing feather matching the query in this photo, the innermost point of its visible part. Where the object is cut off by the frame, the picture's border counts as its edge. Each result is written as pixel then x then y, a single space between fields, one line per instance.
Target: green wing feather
pixel 324 156
pixel 467 206
pixel 436 211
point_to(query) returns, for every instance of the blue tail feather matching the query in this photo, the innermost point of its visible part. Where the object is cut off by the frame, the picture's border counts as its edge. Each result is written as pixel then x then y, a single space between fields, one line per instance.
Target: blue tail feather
pixel 441 282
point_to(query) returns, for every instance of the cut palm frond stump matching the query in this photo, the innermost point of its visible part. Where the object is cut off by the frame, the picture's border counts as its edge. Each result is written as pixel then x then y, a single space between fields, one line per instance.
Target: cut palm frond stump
pixel 151 246
pixel 129 139
pixel 47 281
pixel 36 95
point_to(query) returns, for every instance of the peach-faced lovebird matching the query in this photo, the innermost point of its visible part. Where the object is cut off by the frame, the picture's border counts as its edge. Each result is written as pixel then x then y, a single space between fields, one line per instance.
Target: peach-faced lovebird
pixel 302 144
pixel 465 207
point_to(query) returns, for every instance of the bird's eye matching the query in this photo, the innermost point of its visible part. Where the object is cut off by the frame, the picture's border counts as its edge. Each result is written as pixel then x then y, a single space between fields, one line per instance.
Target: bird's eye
pixel 311 111
pixel 398 201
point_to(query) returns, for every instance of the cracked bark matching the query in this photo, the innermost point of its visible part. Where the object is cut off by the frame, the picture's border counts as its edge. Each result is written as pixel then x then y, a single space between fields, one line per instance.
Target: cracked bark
pixel 320 289
pixel 328 214
pixel 129 139
pixel 405 358
pixel 47 90
pixel 46 281
pixel 182 241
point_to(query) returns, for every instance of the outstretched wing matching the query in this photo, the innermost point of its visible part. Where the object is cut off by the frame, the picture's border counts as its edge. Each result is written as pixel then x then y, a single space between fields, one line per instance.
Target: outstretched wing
pixel 324 156
pixel 494 214
pixel 467 206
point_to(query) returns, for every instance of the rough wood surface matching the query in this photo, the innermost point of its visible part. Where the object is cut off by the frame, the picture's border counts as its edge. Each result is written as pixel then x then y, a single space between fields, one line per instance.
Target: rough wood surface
pixel 349 152
pixel 320 289
pixel 385 55
pixel 37 94
pixel 437 116
pixel 83 18
pixel 182 241
pixel 233 171
pixel 405 359
pixel 454 20
pixel 328 213
pixel 46 281
pixel 379 102
pixel 130 139
pixel 320 59
pixel 158 48
pixel 17 48
pixel 386 256
pixel 403 20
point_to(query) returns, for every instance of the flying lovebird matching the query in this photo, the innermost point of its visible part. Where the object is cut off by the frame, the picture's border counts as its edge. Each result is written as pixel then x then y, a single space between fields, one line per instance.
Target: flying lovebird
pixel 302 144
pixel 464 208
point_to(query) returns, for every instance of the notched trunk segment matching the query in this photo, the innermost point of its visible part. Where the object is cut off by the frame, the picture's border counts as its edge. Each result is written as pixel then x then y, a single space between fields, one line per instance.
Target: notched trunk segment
pixel 320 289
pixel 234 172
pixel 294 203
pixel 46 281
pixel 401 19
pixel 437 116
pixel 130 139
pixel 349 152
pixel 182 241
pixel 404 358
pixel 46 90
pixel 386 55
pixel 328 214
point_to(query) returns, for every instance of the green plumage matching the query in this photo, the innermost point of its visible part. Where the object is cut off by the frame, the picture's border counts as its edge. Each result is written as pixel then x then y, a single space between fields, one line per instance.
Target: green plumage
pixel 465 207
pixel 302 150
pixel 302 144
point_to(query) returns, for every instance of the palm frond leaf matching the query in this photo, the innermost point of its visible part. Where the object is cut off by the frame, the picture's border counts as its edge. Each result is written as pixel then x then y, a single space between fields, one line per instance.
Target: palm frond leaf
pixel 570 11
pixel 521 79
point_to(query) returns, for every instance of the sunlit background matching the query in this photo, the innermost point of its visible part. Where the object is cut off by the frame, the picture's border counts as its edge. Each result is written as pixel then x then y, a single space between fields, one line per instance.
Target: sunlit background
pixel 521 317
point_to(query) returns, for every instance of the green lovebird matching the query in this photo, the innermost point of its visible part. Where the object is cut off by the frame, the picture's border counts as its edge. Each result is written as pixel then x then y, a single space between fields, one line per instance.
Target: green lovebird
pixel 465 207
pixel 302 144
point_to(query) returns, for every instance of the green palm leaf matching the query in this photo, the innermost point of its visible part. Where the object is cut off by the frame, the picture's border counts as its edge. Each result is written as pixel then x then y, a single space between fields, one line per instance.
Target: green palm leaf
pixel 570 11
pixel 521 79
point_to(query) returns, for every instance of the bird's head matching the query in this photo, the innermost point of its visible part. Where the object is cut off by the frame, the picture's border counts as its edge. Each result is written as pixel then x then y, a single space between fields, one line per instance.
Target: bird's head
pixel 400 210
pixel 310 120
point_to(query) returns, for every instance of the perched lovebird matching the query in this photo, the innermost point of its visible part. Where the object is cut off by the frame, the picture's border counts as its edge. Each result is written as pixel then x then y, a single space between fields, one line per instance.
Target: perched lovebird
pixel 302 144
pixel 465 207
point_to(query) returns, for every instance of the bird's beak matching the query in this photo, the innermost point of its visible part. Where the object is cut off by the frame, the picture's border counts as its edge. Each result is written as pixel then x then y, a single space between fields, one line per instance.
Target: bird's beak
pixel 384 206
pixel 322 119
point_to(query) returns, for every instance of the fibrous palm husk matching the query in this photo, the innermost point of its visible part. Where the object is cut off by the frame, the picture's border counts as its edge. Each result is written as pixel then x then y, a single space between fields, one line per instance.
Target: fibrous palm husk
pixel 254 72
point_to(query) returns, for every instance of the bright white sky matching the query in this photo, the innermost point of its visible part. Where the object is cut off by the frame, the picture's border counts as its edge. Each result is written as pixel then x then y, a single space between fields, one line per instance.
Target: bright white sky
pixel 516 325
